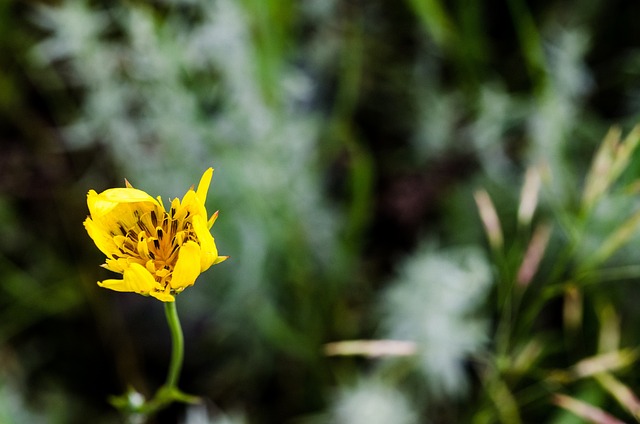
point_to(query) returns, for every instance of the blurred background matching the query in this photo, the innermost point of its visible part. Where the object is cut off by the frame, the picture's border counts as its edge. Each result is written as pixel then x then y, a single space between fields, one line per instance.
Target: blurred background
pixel 352 143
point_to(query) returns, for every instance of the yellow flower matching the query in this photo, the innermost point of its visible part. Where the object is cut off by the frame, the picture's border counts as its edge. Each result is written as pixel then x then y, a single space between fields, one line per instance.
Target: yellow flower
pixel 158 252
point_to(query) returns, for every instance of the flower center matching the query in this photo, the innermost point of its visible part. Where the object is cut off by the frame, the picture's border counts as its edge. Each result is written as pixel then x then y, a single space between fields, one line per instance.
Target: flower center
pixel 154 239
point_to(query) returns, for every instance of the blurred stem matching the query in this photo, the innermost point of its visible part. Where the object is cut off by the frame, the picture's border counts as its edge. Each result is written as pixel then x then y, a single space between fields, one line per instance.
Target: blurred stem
pixel 361 163
pixel 177 341
pixel 530 41
pixel 612 274
pixel 509 310
pixel 504 402
pixel 563 271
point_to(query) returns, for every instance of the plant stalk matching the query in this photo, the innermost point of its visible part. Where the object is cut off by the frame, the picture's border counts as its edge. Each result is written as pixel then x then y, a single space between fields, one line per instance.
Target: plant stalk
pixel 177 348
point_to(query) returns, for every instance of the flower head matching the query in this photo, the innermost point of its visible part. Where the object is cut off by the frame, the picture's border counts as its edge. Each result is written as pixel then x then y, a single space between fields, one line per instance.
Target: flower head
pixel 158 252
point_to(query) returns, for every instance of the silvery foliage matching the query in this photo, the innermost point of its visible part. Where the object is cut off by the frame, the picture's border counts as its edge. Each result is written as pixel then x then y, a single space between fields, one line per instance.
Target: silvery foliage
pixel 199 414
pixel 434 301
pixel 371 401
pixel 553 118
pixel 170 98
pixel 548 118
pixel 442 111
pixel 13 409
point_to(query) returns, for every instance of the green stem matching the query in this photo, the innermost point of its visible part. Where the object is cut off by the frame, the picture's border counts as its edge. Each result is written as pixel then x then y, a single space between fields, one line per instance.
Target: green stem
pixel 177 349
pixel 169 392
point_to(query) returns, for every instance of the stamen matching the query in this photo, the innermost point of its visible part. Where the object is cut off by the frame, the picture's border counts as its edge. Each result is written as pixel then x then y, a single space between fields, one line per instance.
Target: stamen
pixel 160 232
pixel 156 243
pixel 154 218
pixel 143 227
pixel 150 266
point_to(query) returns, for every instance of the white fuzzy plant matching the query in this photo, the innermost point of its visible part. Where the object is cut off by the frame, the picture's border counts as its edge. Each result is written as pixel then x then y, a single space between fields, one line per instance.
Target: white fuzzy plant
pixel 435 302
pixel 371 401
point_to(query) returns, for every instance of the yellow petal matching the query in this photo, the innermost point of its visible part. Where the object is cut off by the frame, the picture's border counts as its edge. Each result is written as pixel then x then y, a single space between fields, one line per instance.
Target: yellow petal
pixel 116 265
pixel 113 284
pixel 138 279
pixel 190 202
pixel 187 267
pixel 160 203
pixel 174 209
pixel 92 198
pixel 162 272
pixel 203 186
pixel 101 238
pixel 126 195
pixel 150 266
pixel 119 241
pixel 164 296
pixel 208 250
pixel 143 246
pixel 103 203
